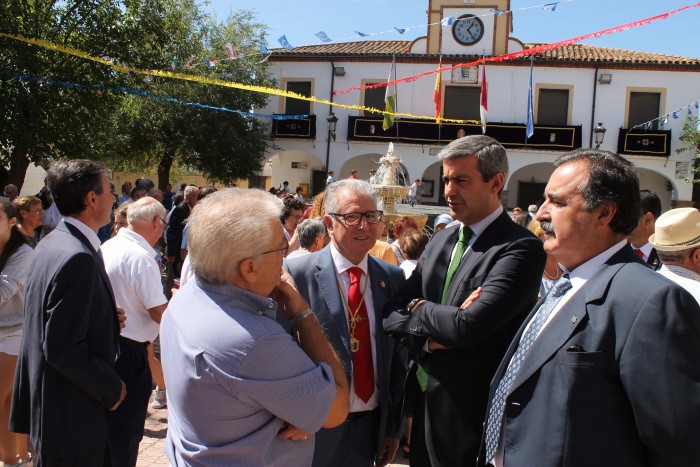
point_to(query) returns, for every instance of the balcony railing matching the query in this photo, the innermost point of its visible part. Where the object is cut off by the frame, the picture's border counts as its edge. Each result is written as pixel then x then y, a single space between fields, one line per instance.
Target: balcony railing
pixel 510 135
pixel 638 142
pixel 304 128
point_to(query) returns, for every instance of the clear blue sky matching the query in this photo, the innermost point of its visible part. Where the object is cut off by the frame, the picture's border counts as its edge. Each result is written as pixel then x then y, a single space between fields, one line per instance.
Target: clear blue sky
pixel 300 20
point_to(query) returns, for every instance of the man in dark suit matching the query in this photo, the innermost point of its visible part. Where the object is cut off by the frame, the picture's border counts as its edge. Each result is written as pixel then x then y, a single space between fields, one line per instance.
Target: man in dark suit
pixel 347 289
pixel 66 384
pixel 460 348
pixel 604 372
pixel 173 234
pixel 639 238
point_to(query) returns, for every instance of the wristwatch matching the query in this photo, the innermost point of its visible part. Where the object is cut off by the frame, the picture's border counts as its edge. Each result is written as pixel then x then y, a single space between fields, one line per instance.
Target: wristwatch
pixel 412 304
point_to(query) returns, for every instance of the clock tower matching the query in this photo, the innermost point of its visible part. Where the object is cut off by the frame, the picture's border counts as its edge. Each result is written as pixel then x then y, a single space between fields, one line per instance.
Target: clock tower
pixel 476 30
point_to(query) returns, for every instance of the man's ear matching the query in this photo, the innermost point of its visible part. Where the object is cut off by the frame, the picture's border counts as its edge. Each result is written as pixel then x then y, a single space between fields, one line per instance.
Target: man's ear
pixel 606 213
pixel 328 220
pixel 497 182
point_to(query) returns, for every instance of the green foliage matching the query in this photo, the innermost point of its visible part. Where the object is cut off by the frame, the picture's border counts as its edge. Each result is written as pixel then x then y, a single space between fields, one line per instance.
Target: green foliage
pixel 690 136
pixel 39 121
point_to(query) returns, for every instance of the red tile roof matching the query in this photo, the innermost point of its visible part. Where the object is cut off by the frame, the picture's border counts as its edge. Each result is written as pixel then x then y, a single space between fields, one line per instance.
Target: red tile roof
pixel 577 54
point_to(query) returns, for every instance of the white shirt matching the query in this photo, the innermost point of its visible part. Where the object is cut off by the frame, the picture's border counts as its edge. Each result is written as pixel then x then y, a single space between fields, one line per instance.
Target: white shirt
pixel 85 230
pixel 477 229
pixel 408 267
pixel 342 264
pixel 135 276
pixel 686 278
pixel 412 190
pixel 646 250
pixel 578 277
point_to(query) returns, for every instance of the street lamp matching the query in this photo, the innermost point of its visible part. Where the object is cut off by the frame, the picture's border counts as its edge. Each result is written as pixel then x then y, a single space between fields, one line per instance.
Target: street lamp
pixel 599 134
pixel 332 122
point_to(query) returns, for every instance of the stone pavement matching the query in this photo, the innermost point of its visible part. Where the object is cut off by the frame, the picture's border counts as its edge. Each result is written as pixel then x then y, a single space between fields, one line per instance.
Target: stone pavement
pixel 151 448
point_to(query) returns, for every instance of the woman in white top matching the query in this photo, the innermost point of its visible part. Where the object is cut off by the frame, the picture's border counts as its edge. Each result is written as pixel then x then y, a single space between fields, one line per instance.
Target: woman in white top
pixel 15 260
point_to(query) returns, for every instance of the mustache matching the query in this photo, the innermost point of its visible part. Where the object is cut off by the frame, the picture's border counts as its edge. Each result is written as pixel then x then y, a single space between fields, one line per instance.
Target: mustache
pixel 547 227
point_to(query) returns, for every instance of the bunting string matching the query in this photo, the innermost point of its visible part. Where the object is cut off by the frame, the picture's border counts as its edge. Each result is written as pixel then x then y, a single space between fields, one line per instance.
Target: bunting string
pixel 524 53
pixel 288 94
pixel 663 120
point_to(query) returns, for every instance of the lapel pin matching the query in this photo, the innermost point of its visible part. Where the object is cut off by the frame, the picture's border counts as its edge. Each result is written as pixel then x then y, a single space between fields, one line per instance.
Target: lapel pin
pixel 382 284
pixel 573 319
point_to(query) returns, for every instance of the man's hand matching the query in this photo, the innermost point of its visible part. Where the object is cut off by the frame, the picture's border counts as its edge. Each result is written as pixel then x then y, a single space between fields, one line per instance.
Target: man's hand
pixel 288 431
pixel 288 297
pixel 388 451
pixel 121 397
pixel 121 316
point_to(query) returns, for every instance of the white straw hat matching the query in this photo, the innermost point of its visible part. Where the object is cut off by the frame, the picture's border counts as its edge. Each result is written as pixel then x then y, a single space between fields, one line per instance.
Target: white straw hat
pixel 677 229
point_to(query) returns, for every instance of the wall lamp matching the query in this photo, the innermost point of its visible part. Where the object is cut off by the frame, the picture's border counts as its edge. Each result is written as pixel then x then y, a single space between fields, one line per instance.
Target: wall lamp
pixel 605 78
pixel 599 134
pixel 339 70
pixel 332 122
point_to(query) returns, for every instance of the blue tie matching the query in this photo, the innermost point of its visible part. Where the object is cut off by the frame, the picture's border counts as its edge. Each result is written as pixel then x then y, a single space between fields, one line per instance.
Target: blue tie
pixel 495 419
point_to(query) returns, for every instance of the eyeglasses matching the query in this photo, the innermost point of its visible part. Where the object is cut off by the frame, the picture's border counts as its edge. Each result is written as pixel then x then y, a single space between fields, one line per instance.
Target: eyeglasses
pixel 38 211
pixel 165 223
pixel 297 216
pixel 285 248
pixel 354 218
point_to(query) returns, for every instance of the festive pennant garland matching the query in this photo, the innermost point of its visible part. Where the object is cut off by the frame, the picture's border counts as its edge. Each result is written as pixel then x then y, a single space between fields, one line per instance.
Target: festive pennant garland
pixel 522 53
pixel 289 94
pixel 663 120
pixel 98 89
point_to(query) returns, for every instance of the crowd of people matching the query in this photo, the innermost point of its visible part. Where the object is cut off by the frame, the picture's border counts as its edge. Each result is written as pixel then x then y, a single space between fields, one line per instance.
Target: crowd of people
pixel 291 334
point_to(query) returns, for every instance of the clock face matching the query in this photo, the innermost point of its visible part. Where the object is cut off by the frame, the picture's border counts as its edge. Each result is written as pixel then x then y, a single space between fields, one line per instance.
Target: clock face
pixel 468 29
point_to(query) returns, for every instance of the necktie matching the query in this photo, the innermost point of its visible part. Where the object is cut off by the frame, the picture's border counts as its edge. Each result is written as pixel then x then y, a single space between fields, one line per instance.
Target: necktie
pixel 465 234
pixel 495 418
pixel 360 338
pixel 639 253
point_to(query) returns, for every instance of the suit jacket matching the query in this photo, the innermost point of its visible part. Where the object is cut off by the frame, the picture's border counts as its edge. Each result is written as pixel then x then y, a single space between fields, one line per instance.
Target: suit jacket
pixel 176 225
pixel 316 279
pixel 654 262
pixel 65 382
pixel 613 379
pixel 507 261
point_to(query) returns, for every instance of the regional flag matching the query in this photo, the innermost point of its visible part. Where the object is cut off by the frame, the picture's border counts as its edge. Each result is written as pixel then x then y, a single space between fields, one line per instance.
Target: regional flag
pixel 390 97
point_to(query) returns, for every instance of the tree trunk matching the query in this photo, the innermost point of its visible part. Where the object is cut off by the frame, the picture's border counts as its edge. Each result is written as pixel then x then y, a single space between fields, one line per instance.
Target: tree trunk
pixel 18 167
pixel 164 168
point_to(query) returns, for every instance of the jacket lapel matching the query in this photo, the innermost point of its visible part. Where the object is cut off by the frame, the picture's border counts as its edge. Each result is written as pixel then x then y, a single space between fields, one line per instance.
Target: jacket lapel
pixel 438 268
pixel 562 326
pixel 379 283
pixel 327 282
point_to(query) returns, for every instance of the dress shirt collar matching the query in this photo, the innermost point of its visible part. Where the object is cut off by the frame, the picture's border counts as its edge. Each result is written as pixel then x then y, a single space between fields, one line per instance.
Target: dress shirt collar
pixel 342 264
pixel 645 249
pixel 479 227
pixel 244 300
pixel 681 271
pixel 85 230
pixel 137 238
pixel 585 271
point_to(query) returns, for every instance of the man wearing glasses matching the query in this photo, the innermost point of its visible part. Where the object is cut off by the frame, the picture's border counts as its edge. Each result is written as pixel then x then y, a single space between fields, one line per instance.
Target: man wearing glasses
pixel 459 347
pixel 240 390
pixel 347 290
pixel 130 263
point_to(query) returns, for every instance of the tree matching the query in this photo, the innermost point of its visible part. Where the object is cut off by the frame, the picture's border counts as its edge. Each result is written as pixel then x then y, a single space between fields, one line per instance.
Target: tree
pixel 690 136
pixel 224 146
pixel 40 120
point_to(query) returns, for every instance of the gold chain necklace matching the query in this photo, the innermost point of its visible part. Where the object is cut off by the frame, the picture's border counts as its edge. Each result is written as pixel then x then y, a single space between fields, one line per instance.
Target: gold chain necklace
pixel 354 319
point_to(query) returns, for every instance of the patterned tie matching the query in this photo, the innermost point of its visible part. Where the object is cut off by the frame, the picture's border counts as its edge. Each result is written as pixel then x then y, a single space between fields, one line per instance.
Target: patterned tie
pixel 495 419
pixel 465 234
pixel 362 366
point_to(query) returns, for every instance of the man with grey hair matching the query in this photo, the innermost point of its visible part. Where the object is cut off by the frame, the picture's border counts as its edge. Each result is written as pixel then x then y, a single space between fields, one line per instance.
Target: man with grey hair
pixel 312 235
pixel 240 390
pixel 130 263
pixel 459 347
pixel 347 290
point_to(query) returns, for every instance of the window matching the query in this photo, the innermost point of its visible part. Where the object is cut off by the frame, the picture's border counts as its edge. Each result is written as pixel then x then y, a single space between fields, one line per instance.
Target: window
pixel 374 98
pixel 644 107
pixel 297 106
pixel 462 102
pixel 553 107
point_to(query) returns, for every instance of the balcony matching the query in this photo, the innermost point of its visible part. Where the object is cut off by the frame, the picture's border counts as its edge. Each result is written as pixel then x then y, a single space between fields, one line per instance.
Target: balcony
pixel 638 142
pixel 511 135
pixel 300 128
